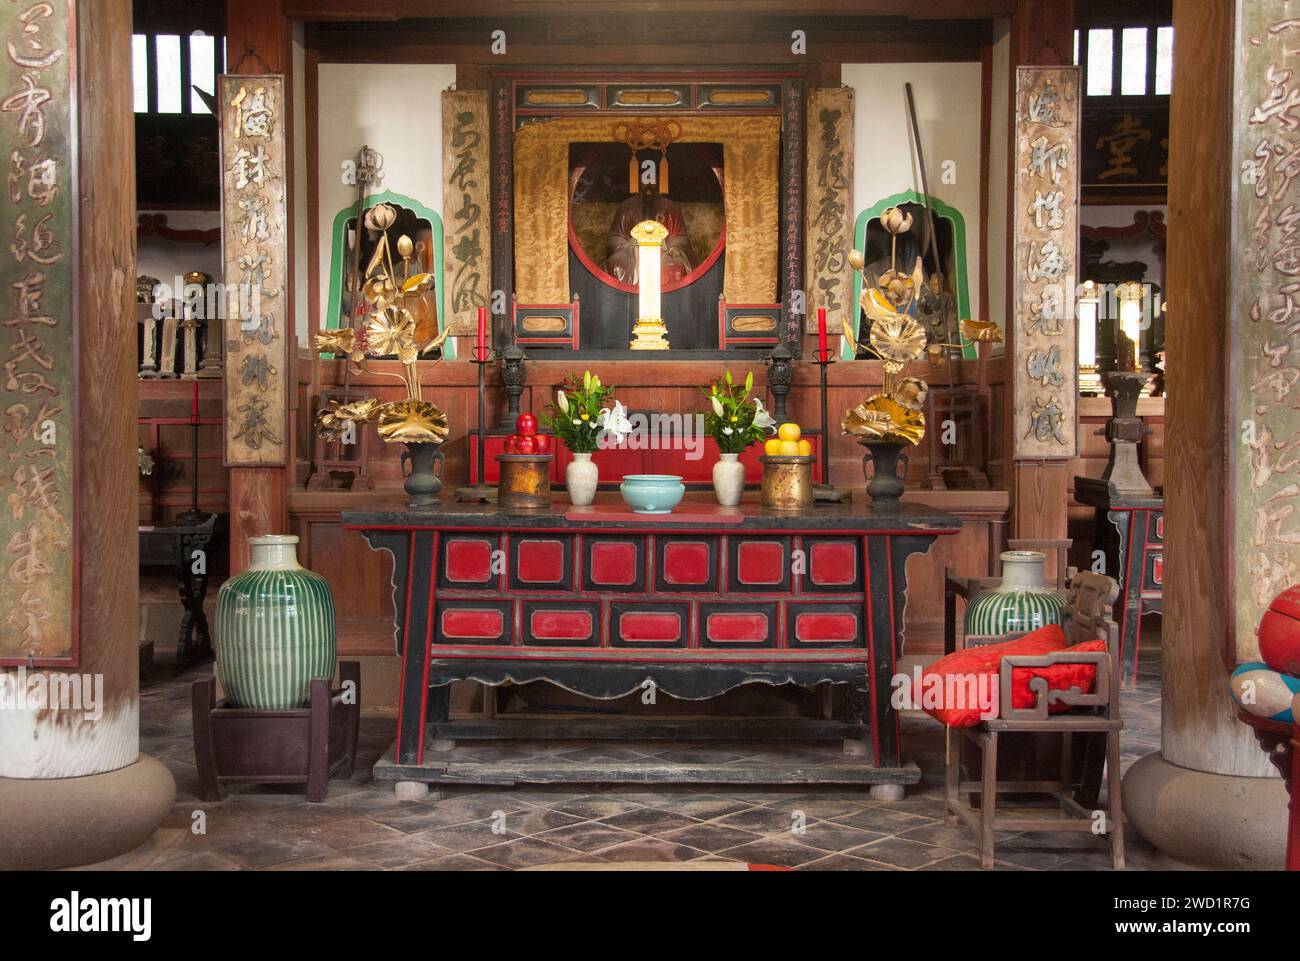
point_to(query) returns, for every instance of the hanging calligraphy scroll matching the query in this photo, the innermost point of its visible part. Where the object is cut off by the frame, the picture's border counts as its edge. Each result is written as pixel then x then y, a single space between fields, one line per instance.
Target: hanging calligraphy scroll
pixel 255 251
pixel 829 203
pixel 1264 319
pixel 1044 215
pixel 37 341
pixel 466 202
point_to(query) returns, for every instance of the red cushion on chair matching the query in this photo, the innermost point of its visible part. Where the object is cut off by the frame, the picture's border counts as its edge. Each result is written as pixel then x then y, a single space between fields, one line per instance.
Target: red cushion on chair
pixel 966 674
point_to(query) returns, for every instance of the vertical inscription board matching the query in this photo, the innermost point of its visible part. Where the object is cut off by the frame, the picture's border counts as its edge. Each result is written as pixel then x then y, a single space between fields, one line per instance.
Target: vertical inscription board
pixel 38 363
pixel 255 251
pixel 1264 318
pixel 1045 215
pixel 830 204
pixel 466 207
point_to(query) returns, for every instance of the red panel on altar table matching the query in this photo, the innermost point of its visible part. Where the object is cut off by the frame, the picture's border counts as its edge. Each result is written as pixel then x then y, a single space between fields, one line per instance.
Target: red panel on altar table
pixel 686 563
pixel 540 561
pixel 760 563
pixel 833 564
pixel 827 628
pixel 642 628
pixel 469 561
pixel 613 563
pixel 553 625
pixel 463 622
pixel 742 628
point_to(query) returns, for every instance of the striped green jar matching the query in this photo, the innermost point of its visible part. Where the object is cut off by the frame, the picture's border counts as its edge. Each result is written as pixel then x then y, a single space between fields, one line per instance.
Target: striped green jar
pixel 274 628
pixel 1021 603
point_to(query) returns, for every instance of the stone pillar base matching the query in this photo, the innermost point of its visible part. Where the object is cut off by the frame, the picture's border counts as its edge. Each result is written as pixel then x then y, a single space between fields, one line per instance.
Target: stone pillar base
pixel 62 822
pixel 1209 820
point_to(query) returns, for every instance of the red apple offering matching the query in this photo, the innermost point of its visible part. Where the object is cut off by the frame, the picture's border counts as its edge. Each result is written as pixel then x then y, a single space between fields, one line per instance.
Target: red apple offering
pixel 526 424
pixel 543 442
pixel 528 444
pixel 512 444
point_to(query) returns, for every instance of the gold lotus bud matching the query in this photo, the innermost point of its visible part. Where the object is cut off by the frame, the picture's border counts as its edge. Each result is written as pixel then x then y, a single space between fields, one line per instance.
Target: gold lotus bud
pixel 911 392
pixel 895 221
pixel 856 260
pixel 382 216
pixel 404 246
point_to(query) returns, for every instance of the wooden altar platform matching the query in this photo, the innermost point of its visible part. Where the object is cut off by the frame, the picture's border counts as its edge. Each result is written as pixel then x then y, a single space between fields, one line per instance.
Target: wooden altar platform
pixel 605 604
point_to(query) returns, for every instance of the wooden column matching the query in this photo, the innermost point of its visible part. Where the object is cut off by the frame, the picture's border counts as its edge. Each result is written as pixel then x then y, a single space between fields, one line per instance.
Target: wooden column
pixel 259 40
pixel 75 788
pixel 1199 730
pixel 1209 797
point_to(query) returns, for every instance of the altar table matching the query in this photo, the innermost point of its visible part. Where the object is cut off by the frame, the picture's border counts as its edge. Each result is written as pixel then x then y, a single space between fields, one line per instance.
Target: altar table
pixel 606 602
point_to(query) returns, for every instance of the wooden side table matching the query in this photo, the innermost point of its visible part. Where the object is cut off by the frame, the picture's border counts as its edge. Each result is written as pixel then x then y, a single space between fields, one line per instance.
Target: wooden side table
pixel 1130 533
pixel 173 546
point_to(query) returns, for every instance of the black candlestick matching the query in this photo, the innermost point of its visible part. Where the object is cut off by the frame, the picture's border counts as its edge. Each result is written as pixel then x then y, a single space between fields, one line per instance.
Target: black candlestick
pixel 193 515
pixel 780 375
pixel 513 378
pixel 824 491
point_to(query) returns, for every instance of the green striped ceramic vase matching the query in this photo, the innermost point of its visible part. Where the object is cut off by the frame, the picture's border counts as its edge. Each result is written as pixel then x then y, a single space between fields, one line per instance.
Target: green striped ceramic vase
pixel 274 629
pixel 1021 603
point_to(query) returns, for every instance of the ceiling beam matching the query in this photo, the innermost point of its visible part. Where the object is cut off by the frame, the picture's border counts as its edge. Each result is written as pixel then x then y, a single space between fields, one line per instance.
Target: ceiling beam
pixel 502 10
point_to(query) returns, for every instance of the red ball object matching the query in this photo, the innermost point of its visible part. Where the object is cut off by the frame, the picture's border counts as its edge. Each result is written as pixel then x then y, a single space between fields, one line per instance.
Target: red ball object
pixel 526 424
pixel 1279 632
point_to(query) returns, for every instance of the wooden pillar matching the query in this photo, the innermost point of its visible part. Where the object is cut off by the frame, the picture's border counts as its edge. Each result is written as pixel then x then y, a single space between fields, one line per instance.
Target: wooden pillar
pixel 260 40
pixel 1042 33
pixel 74 787
pixel 1209 796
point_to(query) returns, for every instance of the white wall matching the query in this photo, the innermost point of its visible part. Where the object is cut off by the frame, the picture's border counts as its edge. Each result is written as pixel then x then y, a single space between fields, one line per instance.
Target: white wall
pixel 947 99
pixel 397 110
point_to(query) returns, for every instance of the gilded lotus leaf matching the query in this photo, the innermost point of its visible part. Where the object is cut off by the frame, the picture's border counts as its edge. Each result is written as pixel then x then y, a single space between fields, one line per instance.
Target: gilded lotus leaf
pixel 412 421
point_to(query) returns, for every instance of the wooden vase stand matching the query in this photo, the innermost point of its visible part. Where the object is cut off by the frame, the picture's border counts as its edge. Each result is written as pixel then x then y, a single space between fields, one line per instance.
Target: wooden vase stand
pixel 306 745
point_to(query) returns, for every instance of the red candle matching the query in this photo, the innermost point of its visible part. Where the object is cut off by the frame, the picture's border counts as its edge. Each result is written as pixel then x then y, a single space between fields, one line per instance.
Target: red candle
pixel 194 411
pixel 480 352
pixel 821 334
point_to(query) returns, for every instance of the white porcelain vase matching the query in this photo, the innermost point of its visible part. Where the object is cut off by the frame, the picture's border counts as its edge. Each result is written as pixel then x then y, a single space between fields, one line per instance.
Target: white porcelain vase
pixel 729 479
pixel 580 478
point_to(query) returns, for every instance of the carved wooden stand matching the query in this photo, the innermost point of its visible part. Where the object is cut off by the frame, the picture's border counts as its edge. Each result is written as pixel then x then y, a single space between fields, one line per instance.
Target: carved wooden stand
pixel 1281 742
pixel 305 745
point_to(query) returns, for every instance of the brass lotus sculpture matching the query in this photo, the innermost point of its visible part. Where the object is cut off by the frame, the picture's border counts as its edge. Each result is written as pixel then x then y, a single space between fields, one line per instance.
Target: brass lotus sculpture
pixel 897 338
pixel 396 310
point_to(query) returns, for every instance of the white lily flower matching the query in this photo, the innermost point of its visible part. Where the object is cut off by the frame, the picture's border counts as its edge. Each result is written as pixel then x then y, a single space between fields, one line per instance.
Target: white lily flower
pixel 717 405
pixel 562 401
pixel 762 418
pixel 728 431
pixel 614 422
pixel 576 422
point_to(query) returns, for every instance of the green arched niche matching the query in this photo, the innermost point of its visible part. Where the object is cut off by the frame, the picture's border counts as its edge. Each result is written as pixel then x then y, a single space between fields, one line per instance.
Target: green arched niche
pixel 338 248
pixel 941 209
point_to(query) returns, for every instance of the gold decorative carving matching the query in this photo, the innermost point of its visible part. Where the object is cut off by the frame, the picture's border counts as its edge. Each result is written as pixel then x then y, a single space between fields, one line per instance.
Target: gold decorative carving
pixel 751 154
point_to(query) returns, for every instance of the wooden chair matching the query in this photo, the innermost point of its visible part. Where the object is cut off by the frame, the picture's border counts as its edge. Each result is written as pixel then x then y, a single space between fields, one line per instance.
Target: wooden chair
pixel 955 586
pixel 1087 617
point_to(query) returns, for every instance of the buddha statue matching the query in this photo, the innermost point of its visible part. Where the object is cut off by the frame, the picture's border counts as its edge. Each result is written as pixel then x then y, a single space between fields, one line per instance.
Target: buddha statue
pixel 678 259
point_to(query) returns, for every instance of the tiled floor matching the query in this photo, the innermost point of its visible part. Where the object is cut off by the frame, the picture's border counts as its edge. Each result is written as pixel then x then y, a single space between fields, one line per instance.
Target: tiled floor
pixel 362 825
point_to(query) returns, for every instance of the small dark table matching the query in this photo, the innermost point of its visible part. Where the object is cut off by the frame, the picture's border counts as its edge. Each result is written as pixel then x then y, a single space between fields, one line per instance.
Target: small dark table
pixel 604 602
pixel 173 546
pixel 1130 533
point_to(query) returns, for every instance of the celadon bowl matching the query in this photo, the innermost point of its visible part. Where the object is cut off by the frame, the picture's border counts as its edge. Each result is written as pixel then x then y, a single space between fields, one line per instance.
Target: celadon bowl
pixel 652 493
